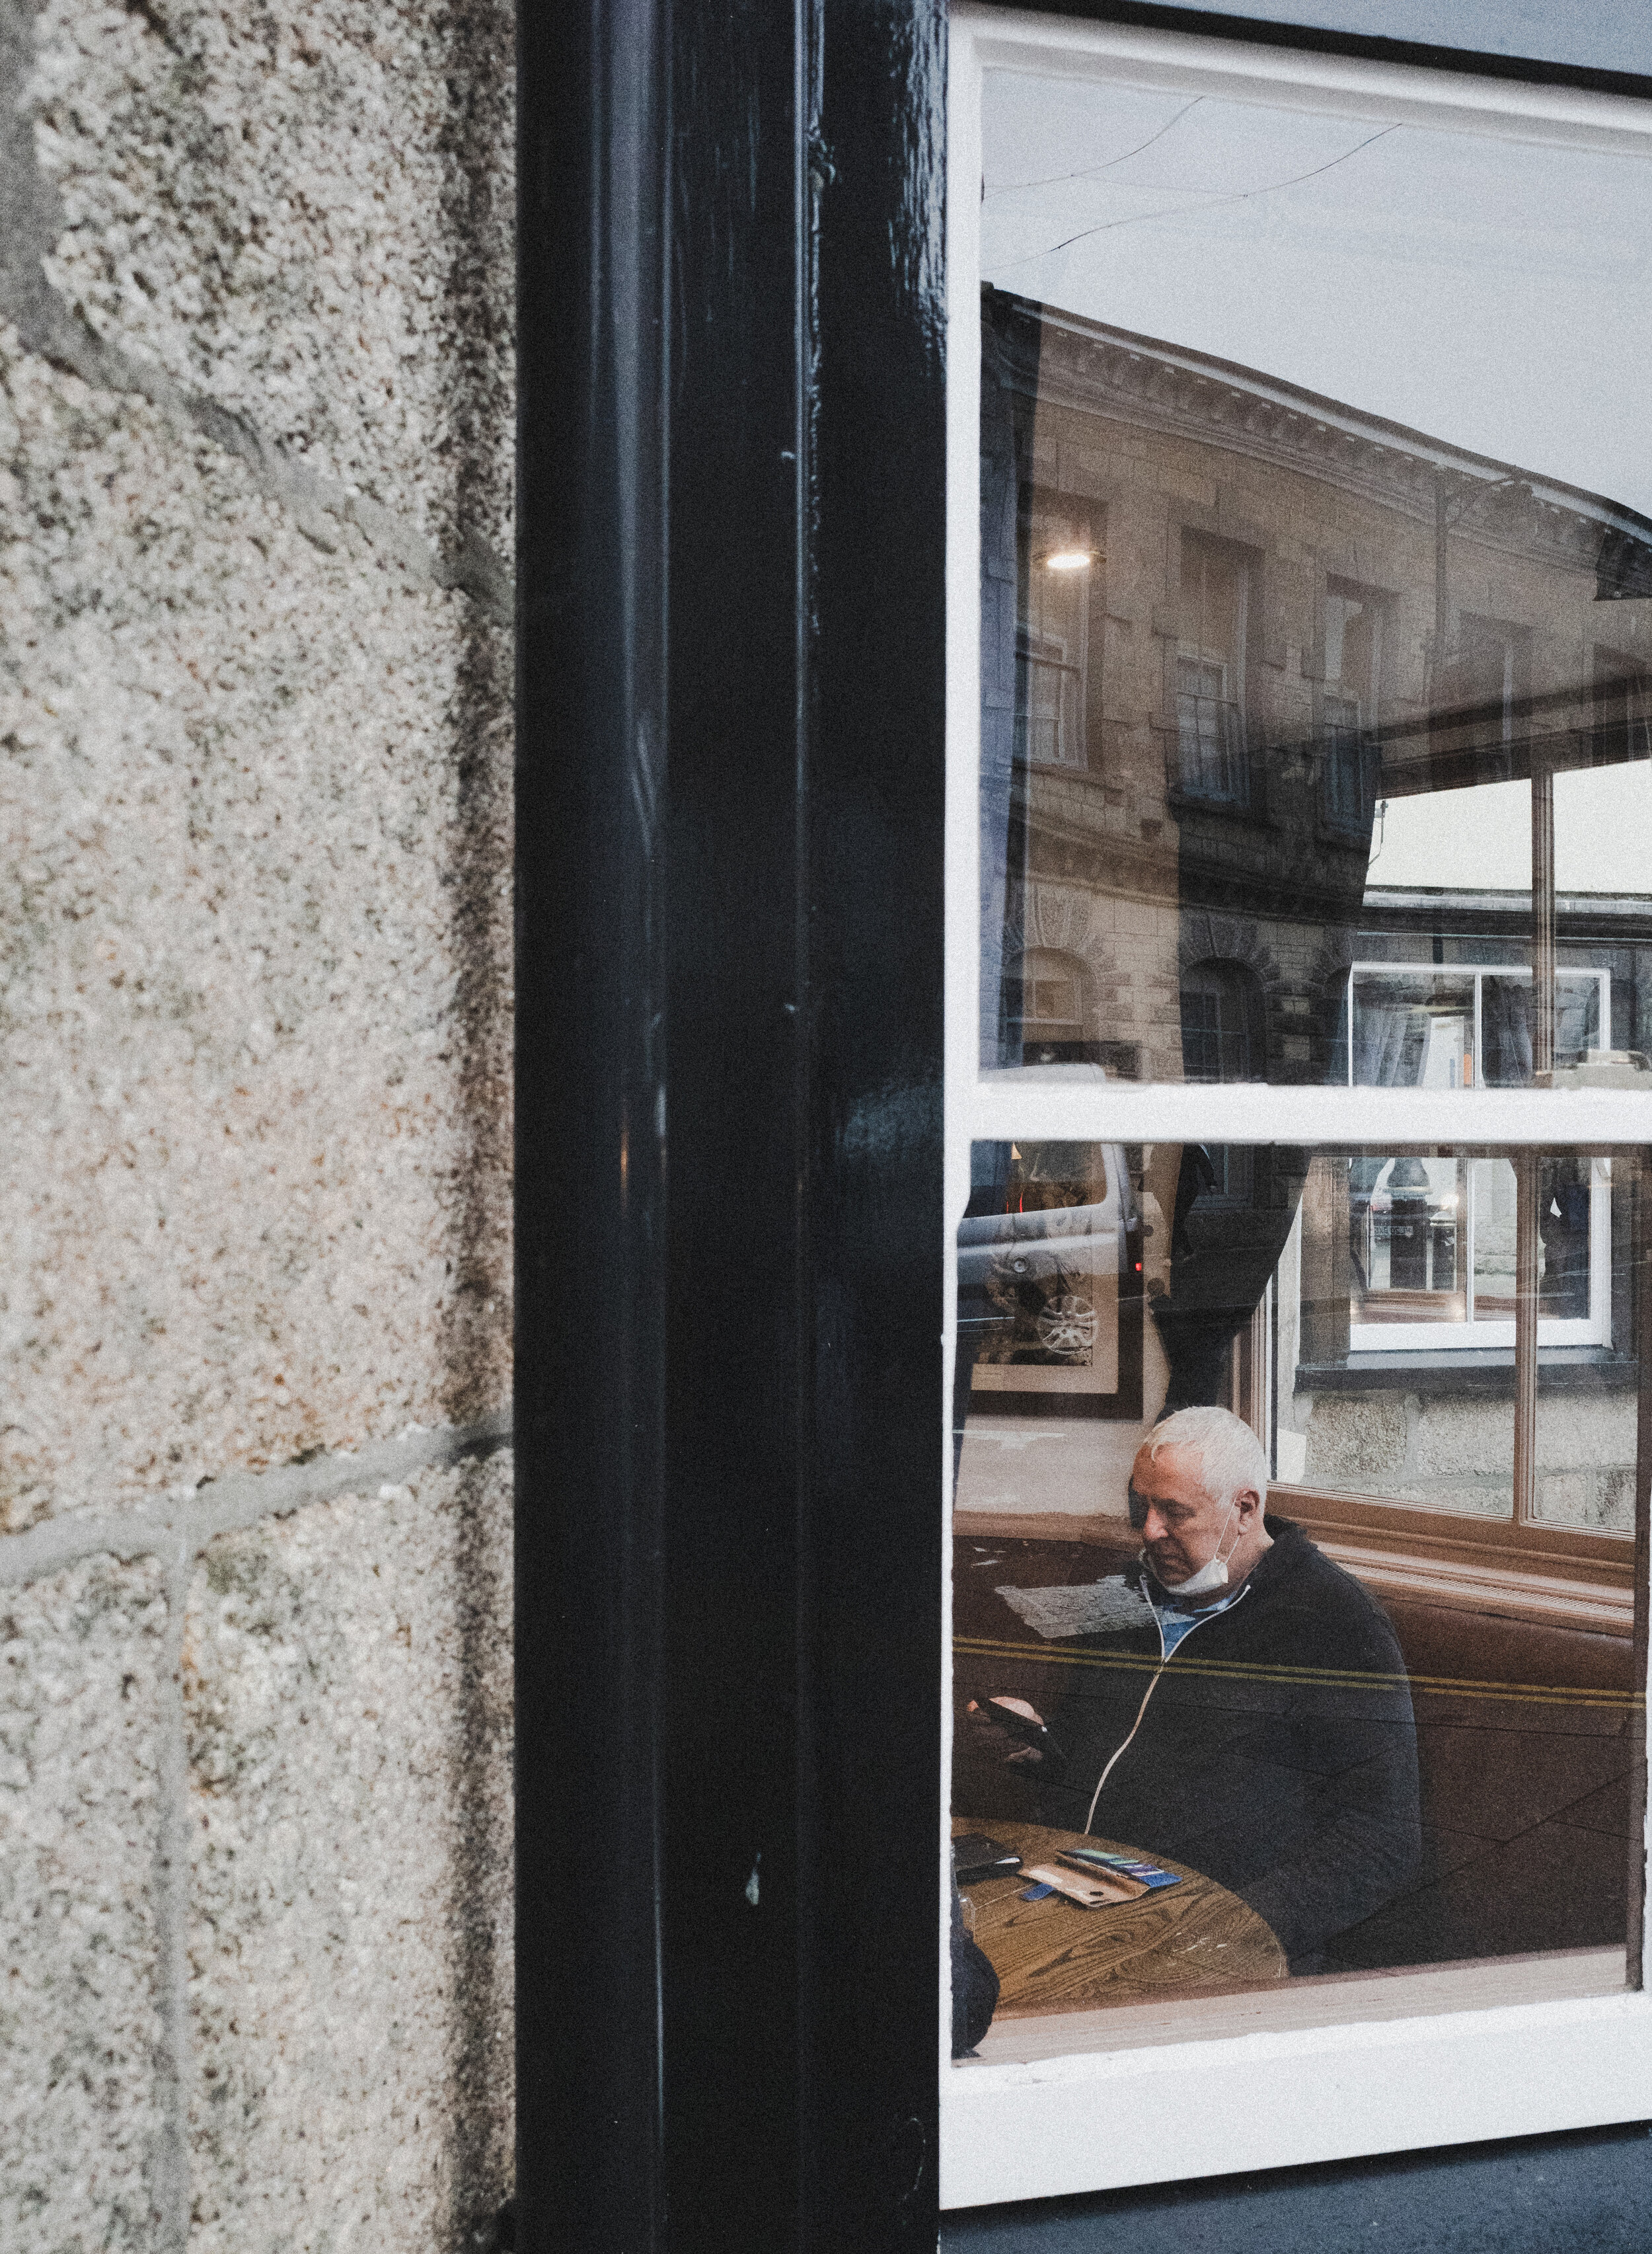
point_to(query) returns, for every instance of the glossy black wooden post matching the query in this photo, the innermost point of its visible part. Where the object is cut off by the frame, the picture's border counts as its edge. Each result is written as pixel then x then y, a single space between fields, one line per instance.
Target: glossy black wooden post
pixel 591 1275
pixel 729 995
pixel 876 807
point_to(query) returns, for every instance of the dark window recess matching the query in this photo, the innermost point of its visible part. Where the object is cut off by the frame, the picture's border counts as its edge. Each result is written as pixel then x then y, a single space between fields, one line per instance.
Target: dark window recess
pixel 1211 749
pixel 1350 713
pixel 1623 707
pixel 1221 1023
pixel 1482 697
pixel 1049 1010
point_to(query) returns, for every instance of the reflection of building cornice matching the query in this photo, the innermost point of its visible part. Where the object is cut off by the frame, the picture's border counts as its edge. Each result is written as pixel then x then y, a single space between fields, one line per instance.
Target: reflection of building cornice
pixel 1428 902
pixel 1067 362
pixel 1140 869
pixel 1185 867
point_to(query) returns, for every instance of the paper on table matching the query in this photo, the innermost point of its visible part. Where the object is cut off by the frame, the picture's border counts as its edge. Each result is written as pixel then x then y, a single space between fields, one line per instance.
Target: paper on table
pixel 1087 1608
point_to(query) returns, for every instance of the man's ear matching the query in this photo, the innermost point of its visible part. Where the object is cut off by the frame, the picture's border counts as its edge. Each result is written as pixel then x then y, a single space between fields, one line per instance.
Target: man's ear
pixel 1248 1504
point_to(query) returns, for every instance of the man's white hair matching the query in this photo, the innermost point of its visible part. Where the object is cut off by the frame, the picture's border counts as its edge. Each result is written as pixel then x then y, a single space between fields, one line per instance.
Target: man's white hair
pixel 1230 1457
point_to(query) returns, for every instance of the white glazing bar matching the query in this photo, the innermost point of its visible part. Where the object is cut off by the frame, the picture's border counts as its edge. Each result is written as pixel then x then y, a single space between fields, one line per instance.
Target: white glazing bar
pixel 962 845
pixel 1055 46
pixel 1075 1103
pixel 1098 2120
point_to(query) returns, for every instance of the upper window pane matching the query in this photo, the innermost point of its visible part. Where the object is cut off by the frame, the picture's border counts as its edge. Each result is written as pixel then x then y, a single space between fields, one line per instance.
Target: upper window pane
pixel 1316 580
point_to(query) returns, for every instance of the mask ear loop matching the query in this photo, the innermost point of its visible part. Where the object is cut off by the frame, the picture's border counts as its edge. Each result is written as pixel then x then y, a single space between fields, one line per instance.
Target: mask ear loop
pixel 1216 1552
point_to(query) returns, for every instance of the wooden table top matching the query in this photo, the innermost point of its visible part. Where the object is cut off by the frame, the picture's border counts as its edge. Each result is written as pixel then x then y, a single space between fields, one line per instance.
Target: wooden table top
pixel 1050 1955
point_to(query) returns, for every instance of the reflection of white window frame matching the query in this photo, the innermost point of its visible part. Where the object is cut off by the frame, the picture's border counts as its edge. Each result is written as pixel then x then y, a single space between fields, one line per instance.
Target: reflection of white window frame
pixel 1592 1329
pixel 1595 1329
pixel 1519 973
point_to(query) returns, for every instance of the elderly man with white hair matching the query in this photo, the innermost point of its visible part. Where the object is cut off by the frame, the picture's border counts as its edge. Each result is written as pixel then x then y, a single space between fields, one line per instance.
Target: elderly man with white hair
pixel 1244 1709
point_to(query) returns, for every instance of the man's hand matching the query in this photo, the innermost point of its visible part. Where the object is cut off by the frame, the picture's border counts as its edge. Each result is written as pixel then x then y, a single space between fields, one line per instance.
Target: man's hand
pixel 1002 1742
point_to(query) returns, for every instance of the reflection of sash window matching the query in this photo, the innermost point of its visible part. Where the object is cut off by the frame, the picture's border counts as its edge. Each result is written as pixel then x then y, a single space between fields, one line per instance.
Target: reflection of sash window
pixel 1051 1007
pixel 1209 731
pixel 1048 704
pixel 1348 713
pixel 1221 1011
pixel 1481 699
pixel 1345 795
pixel 1432 1240
pixel 1052 636
pixel 1209 671
pixel 1623 708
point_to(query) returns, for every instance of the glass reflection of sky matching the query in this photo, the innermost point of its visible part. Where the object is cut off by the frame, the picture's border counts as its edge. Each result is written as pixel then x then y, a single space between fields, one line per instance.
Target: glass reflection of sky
pixel 1488 291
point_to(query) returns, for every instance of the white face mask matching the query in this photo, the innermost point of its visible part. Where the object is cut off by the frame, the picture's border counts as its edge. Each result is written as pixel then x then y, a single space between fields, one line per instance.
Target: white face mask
pixel 1213 1576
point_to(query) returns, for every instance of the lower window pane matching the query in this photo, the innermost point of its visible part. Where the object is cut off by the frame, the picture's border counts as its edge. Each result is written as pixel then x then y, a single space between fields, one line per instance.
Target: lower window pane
pixel 1383 1714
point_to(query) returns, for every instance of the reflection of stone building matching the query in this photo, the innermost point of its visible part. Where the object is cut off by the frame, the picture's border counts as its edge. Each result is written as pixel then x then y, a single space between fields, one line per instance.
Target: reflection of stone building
pixel 1224 622
pixel 1222 619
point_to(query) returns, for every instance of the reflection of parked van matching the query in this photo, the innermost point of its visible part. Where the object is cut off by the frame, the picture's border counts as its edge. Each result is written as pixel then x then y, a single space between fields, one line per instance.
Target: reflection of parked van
pixel 1040 1251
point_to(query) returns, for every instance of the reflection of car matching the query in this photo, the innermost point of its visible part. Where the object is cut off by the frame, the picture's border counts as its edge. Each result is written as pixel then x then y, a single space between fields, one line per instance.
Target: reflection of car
pixel 1039 1270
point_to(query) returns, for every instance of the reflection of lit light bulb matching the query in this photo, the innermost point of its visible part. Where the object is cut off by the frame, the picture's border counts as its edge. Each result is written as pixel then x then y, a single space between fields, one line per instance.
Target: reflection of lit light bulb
pixel 1068 559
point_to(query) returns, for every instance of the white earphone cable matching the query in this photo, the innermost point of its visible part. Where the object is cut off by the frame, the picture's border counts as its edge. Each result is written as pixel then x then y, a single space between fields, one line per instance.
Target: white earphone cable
pixel 1153 1683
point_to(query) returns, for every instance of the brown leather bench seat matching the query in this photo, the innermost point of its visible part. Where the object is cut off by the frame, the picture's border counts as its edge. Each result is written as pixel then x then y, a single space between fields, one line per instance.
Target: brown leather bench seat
pixel 1527 1738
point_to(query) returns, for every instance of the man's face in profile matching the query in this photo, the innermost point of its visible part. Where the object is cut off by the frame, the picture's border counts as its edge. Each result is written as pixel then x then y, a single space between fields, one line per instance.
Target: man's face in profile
pixel 1179 1523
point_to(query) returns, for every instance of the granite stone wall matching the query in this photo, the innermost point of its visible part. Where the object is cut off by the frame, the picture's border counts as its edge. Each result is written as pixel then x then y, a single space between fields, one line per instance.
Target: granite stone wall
pixel 256 448
pixel 1455 1452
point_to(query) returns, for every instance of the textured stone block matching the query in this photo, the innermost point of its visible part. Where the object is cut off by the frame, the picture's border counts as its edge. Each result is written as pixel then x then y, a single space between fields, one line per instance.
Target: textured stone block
pixel 1488 1498
pixel 1355 1437
pixel 1570 1498
pixel 254 1043
pixel 347 1678
pixel 82 1661
pixel 1593 1429
pixel 1456 1436
pixel 304 211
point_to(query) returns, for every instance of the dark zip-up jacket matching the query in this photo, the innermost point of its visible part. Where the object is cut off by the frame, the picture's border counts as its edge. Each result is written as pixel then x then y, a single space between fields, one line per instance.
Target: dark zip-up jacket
pixel 1277 1751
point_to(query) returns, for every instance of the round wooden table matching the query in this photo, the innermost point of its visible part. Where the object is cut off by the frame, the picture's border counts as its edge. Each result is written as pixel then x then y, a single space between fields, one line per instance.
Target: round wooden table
pixel 1050 1955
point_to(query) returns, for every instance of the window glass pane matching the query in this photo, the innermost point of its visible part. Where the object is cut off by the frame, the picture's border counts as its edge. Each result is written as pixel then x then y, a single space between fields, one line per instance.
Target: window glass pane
pixel 1316 553
pixel 1425 1363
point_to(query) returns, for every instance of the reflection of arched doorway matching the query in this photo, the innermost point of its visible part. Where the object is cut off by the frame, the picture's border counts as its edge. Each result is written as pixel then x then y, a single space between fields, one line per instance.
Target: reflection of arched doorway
pixel 1223 1033
pixel 1049 1000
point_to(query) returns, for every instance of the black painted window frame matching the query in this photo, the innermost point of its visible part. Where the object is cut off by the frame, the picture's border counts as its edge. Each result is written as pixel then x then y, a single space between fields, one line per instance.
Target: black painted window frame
pixel 728 1088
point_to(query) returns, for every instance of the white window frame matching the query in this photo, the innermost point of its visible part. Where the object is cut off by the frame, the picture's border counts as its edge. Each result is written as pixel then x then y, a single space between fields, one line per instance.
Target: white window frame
pixel 1377 2079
